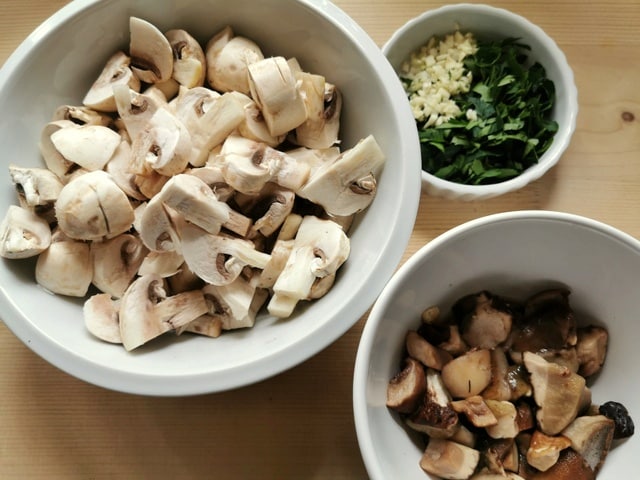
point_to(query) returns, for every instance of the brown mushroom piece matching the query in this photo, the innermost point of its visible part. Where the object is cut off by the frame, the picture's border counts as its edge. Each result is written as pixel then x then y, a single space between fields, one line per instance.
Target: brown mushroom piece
pixel 591 436
pixel 557 391
pixel 449 460
pixel 544 450
pixel 485 320
pixel 476 410
pixel 570 466
pixel 406 389
pixel 434 416
pixel 507 419
pixel 591 349
pixel 499 456
pixel 469 374
pixel 429 355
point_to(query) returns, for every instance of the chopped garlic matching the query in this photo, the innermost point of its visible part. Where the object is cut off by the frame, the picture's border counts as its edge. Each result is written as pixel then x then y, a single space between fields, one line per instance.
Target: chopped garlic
pixel 434 73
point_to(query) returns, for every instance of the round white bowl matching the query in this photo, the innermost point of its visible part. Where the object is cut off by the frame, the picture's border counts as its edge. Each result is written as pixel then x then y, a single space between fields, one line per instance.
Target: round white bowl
pixel 57 63
pixel 516 254
pixel 490 22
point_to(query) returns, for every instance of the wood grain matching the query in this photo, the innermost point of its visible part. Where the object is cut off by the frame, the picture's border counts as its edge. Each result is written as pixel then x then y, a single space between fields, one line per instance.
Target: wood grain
pixel 299 424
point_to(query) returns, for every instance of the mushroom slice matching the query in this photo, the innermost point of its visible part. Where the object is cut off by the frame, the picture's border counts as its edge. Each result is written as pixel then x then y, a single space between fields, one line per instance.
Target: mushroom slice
pixel 228 58
pixel 235 304
pixel 191 104
pixel 163 145
pixel 117 71
pixel 53 159
pixel 217 259
pixel 183 280
pixel 324 104
pixel 406 389
pixel 274 88
pixel 65 267
pixel 100 313
pixel 206 325
pixel 485 320
pixel 274 267
pixel 476 410
pixel 156 227
pixel 119 169
pixel 195 202
pixel 314 157
pixel 134 109
pixel 213 177
pixel 270 208
pixel 165 264
pixel 557 392
pixel 89 146
pixel 591 436
pixel 449 460
pixel 469 374
pixel 248 166
pixel 81 115
pixel 146 311
pixel 116 262
pixel 23 234
pixel 254 126
pixel 591 349
pixel 544 451
pixel 429 355
pixel 290 227
pixel 434 416
pixel 36 187
pixel 348 185
pixel 189 63
pixel 150 183
pixel 319 249
pixel 151 52
pixel 92 207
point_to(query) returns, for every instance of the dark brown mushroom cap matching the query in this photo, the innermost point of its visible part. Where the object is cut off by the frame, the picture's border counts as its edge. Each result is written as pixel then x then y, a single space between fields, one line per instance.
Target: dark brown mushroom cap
pixel 570 466
pixel 406 389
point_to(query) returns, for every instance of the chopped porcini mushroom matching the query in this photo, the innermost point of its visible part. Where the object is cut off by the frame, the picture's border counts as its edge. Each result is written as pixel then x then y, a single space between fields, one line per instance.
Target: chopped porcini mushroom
pixel 23 234
pixel 228 58
pixel 476 410
pixel 348 184
pixel 449 460
pixel 406 389
pixel 420 349
pixel 274 88
pixel 65 267
pixel 116 262
pixel 116 71
pixel 434 415
pixel 557 392
pixel 544 451
pixel 499 388
pixel 189 63
pixel 454 344
pixel 319 249
pixel 146 311
pixel 151 52
pixel 507 419
pixel 101 317
pixel 92 207
pixel 469 374
pixel 617 412
pixel 591 349
pixel 487 323
pixel 591 436
pixel 496 476
pixel 89 146
pixel 570 466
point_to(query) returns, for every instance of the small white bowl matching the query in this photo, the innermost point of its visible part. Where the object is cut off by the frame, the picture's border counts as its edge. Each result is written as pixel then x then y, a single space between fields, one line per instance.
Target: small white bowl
pixel 516 254
pixel 493 23
pixel 56 65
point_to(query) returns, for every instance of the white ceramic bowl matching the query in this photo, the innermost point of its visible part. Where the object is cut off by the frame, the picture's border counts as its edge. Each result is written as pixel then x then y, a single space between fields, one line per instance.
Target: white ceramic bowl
pixel 489 22
pixel 514 253
pixel 57 63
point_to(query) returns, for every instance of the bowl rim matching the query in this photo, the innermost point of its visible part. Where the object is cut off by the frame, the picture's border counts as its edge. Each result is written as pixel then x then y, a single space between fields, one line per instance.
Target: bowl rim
pixel 308 346
pixel 448 189
pixel 375 318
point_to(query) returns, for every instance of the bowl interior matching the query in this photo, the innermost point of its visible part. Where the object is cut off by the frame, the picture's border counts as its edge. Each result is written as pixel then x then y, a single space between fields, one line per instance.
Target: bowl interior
pixel 57 64
pixel 494 23
pixel 514 254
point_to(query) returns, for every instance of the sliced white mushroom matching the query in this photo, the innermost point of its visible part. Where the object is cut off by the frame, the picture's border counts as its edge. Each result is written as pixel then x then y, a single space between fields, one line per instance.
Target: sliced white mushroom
pixel 65 267
pixel 217 259
pixel 82 115
pixel 53 159
pixel 274 88
pixel 183 280
pixel 165 92
pixel 92 207
pixel 228 58
pixel 207 325
pixel 270 208
pixel 36 187
pixel 119 167
pixel 164 263
pixel 213 177
pixel 324 104
pixel 156 227
pixel 151 52
pixel 290 227
pixel 248 165
pixel 116 262
pixel 89 146
pixel 195 202
pixel 254 126
pixel 192 103
pixel 316 158
pixel 134 109
pixel 274 267
pixel 101 317
pixel 117 71
pixel 348 185
pixel 320 248
pixel 23 234
pixel 146 311
pixel 189 63
pixel 150 183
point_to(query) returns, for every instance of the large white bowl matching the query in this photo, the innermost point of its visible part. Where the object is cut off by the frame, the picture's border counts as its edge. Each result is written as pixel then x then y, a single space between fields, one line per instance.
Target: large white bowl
pixel 489 22
pixel 57 63
pixel 514 253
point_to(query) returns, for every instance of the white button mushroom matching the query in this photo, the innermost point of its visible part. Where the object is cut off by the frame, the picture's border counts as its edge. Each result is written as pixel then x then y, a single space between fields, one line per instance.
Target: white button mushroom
pixel 89 146
pixel 189 63
pixel 151 52
pixel 116 71
pixel 23 234
pixel 116 262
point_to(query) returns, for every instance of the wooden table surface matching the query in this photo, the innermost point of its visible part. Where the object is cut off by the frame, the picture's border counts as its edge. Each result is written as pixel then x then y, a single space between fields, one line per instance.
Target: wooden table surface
pixel 299 425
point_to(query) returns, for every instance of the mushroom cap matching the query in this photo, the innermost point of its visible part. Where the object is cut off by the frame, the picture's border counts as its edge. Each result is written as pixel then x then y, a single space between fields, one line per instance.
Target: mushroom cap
pixel 151 52
pixel 228 59
pixel 65 267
